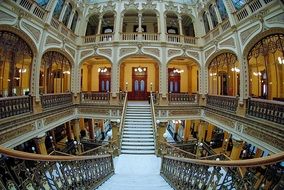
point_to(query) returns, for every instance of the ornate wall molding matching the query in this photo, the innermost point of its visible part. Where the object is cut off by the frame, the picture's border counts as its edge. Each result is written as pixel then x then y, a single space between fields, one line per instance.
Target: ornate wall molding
pixel 35 33
pixel 71 51
pixel 245 35
pixel 152 51
pixel 16 132
pixel 171 7
pixel 52 41
pixel 107 52
pixel 173 52
pixel 6 17
pixel 149 5
pixel 193 54
pixel 131 5
pixel 277 19
pixel 209 52
pixel 230 42
pixel 109 7
pixel 57 117
pixel 86 53
pixel 125 51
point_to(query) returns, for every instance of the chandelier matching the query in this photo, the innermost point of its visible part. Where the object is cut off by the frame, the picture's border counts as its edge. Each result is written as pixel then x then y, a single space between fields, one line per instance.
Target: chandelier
pixel 235 69
pixel 178 70
pixel 281 60
pixel 102 70
pixel 140 69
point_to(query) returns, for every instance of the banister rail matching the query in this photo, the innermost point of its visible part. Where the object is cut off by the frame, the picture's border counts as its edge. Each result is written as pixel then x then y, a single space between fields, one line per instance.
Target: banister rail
pixel 95 97
pixel 121 124
pixel 108 148
pixel 182 98
pixel 55 100
pixel 266 109
pixel 11 106
pixel 229 103
pixel 154 123
pixel 22 170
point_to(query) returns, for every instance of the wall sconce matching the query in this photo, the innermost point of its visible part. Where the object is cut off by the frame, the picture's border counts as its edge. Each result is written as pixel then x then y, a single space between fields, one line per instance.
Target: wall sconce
pixel 126 85
pixel 151 86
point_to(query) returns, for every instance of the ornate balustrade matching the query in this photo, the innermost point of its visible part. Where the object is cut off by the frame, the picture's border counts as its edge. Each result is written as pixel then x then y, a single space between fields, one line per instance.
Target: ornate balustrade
pixel 171 150
pixel 55 100
pixel 32 7
pixel 212 173
pixel 150 37
pixel 89 39
pixel 266 109
pixel 182 98
pixel 173 38
pixel 190 40
pixel 105 37
pixel 229 103
pixel 121 96
pixel 102 149
pixel 250 8
pixel 121 124
pixel 129 36
pixel 21 170
pixel 154 121
pixel 95 97
pixel 221 28
pixel 11 106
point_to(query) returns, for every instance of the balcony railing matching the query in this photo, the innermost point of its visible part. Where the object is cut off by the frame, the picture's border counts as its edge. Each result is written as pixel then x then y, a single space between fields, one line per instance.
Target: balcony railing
pixel 229 103
pixel 266 109
pixel 95 97
pixel 105 37
pixel 190 40
pixel 129 36
pixel 182 98
pixel 60 27
pixel 11 106
pixel 222 27
pixel 33 8
pixel 150 37
pixel 55 100
pixel 173 38
pixel 250 8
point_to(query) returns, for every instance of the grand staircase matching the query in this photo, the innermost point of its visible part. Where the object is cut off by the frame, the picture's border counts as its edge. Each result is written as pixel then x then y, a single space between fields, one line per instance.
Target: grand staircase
pixel 138 136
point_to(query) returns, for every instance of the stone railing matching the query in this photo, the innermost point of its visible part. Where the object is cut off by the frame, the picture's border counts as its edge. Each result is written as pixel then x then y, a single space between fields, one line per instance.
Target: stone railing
pixel 121 124
pixel 89 39
pixel 190 40
pixel 21 170
pixel 33 8
pixel 266 109
pixel 213 173
pixel 228 103
pixel 222 27
pixel 182 98
pixel 61 28
pixel 129 36
pixel 104 37
pixel 154 121
pixel 150 37
pixel 11 106
pixel 95 97
pixel 173 38
pixel 250 8
pixel 55 100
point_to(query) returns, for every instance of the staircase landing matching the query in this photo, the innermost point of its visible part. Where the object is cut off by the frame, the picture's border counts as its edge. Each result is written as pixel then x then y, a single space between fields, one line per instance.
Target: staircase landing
pixel 136 172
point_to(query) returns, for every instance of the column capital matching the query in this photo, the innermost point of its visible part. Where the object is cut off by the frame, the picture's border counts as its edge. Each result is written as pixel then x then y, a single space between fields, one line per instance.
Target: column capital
pixel 237 143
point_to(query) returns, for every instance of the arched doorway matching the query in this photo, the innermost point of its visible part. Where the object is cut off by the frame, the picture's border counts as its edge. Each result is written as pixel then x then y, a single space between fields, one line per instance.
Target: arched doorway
pixel 224 75
pixel 139 75
pixel 55 73
pixel 96 75
pixel 15 65
pixel 183 76
pixel 266 68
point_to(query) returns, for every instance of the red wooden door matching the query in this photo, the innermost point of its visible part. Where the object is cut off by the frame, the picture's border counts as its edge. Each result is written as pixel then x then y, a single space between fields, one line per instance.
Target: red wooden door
pixel 104 80
pixel 139 84
pixel 173 81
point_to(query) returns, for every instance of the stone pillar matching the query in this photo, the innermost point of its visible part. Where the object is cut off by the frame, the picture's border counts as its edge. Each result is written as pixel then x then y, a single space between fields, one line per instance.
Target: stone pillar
pixel 100 25
pixel 139 22
pixel 225 141
pixel 187 134
pixel 201 131
pixel 91 129
pixel 180 25
pixel 69 133
pixel 82 124
pixel 237 149
pixel 50 8
pixel 76 130
pixel 161 130
pixel 219 18
pixel 89 82
pixel 258 153
pixel 63 11
pixel 163 26
pixel 210 129
pixel 40 144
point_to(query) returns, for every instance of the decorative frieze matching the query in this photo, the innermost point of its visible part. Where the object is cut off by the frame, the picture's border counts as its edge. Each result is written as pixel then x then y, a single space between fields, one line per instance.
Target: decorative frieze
pixel 71 51
pixel 277 19
pixel 19 131
pixel 107 52
pixel 109 7
pixel 171 7
pixel 173 52
pixel 228 43
pixel 245 35
pixel 185 9
pixel 153 51
pixel 125 51
pixel 209 52
pixel 6 17
pixel 131 5
pixel 57 117
pixel 93 111
pixel 85 53
pixel 149 5
pixel 52 41
pixel 35 33
pixel 193 54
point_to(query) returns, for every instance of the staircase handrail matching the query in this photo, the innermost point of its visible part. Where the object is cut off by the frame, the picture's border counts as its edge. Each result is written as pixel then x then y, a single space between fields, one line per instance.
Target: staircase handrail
pixel 41 157
pixel 268 160
pixel 154 122
pixel 182 152
pixel 103 149
pixel 121 124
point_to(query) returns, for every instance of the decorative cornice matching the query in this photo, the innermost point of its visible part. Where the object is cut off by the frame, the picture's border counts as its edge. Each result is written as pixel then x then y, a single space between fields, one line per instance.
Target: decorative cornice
pixel 171 7
pixel 131 5
pixel 149 5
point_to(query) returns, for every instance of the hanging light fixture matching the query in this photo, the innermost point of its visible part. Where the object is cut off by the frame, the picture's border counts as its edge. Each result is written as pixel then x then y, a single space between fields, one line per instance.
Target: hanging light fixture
pixel 140 69
pixel 281 60
pixel 176 70
pixel 102 70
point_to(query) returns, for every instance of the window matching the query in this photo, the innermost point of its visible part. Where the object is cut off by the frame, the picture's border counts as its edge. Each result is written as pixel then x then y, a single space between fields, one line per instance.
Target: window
pixel 222 9
pixel 74 21
pixel 206 23
pixel 67 15
pixel 42 3
pixel 213 16
pixel 58 8
pixel 238 4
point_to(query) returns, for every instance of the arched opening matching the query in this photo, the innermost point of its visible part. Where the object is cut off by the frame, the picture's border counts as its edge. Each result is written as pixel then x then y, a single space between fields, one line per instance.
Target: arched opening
pixel 16 59
pixel 187 26
pixel 266 68
pixel 224 75
pixel 222 9
pixel 172 23
pixel 130 21
pixel 108 23
pixel 149 22
pixel 55 73
pixel 205 22
pixel 96 75
pixel 67 14
pixel 183 76
pixel 139 75
pixel 93 23
pixel 213 16
pixel 58 8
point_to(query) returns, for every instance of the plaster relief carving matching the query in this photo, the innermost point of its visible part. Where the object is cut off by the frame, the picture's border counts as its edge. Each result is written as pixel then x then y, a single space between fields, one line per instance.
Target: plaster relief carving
pixel 70 50
pixel 229 42
pixel 6 17
pixel 278 19
pixel 245 35
pixel 154 51
pixel 172 52
pixel 185 9
pixel 193 54
pixel 171 7
pixel 109 7
pixel 107 52
pixel 35 33
pixel 84 53
pixel 209 52
pixel 124 51
pixel 51 41
pixel 57 117
pixel 149 5
pixel 131 5
pixel 9 135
